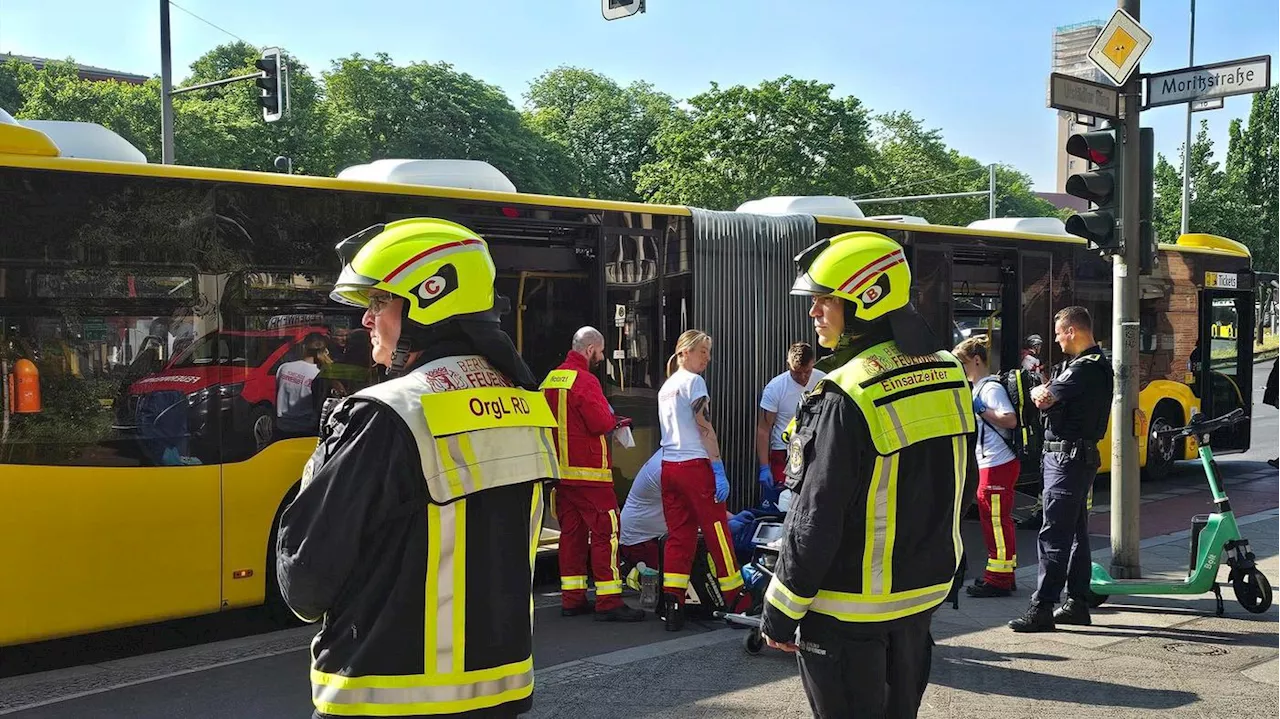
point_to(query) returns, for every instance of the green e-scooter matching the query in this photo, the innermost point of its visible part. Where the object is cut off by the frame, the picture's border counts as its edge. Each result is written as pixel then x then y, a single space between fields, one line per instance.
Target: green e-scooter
pixel 1211 536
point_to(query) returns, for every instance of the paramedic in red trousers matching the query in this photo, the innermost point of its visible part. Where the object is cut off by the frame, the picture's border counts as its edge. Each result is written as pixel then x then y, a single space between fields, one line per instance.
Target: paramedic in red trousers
pixel 694 485
pixel 778 404
pixel 585 504
pixel 998 470
pixel 881 461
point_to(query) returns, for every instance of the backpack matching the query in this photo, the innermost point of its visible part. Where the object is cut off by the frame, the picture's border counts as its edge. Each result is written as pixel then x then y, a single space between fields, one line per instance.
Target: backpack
pixel 1027 437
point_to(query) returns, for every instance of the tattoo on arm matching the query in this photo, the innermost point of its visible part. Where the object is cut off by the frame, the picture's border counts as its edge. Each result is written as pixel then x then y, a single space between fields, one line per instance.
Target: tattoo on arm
pixel 702 406
pixel 702 414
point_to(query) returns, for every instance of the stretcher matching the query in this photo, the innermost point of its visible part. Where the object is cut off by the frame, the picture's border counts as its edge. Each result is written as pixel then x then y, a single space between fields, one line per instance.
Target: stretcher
pixel 766 543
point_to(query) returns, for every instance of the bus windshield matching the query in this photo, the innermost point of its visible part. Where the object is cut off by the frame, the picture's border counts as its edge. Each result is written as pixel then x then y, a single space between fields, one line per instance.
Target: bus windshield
pixel 224 348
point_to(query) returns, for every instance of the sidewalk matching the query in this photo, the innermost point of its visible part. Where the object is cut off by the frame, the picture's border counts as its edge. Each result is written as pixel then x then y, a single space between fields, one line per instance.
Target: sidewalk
pixel 1141 656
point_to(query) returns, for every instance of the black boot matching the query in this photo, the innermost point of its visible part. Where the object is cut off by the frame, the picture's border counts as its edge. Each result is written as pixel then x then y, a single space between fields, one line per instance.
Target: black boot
pixel 1073 612
pixel 577 611
pixel 673 615
pixel 981 589
pixel 623 613
pixel 1039 618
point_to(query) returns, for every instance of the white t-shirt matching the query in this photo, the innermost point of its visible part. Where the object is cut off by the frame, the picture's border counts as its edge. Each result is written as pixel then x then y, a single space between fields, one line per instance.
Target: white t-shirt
pixel 782 395
pixel 294 406
pixel 992 450
pixel 681 440
pixel 642 517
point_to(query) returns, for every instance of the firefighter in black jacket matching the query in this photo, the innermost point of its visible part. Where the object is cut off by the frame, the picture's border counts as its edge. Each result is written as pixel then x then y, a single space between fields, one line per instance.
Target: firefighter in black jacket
pixel 882 463
pixel 415 528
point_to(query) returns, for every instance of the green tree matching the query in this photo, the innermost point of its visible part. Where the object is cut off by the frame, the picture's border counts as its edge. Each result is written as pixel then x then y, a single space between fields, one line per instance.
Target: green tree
pixel 913 160
pixel 223 126
pixel 606 130
pixel 783 137
pixel 1238 201
pixel 56 92
pixel 422 110
pixel 1253 164
pixel 12 74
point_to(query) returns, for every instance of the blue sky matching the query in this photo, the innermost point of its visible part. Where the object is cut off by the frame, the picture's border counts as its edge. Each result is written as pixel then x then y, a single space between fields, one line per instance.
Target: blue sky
pixel 975 69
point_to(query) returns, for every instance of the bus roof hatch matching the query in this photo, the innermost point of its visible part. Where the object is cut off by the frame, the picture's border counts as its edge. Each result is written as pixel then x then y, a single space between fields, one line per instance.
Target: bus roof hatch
pixel 826 205
pixel 86 140
pixel 465 174
pixel 1029 225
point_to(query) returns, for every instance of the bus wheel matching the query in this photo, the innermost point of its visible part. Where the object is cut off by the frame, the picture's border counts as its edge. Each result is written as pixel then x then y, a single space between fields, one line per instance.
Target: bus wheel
pixel 1162 452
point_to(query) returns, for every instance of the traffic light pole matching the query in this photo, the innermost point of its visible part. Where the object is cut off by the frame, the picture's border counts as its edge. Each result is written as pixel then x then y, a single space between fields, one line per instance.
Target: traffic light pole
pixel 166 85
pixel 1125 536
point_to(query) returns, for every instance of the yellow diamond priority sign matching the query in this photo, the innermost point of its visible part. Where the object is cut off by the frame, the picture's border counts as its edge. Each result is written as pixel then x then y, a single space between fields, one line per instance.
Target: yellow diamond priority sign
pixel 1120 47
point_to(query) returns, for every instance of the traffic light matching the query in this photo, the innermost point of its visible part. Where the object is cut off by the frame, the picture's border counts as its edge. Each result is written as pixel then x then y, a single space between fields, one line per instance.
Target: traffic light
pixel 1100 185
pixel 615 9
pixel 271 85
pixel 1147 257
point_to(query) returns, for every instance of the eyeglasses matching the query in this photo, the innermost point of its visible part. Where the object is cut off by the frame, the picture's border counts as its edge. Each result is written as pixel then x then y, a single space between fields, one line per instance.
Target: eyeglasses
pixel 378 303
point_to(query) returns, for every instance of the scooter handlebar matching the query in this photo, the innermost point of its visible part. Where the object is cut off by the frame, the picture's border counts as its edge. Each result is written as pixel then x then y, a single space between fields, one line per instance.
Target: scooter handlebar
pixel 1199 426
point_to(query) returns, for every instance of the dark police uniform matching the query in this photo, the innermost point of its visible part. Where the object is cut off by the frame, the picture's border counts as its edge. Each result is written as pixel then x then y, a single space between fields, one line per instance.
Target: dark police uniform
pixel 1073 427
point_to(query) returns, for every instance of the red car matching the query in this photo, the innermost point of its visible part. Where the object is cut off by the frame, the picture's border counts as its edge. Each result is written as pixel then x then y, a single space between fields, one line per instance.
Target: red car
pixel 215 400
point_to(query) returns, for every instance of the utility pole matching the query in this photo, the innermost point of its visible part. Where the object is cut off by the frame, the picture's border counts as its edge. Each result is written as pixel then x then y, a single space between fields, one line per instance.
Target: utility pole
pixel 991 182
pixel 1186 149
pixel 166 86
pixel 1125 536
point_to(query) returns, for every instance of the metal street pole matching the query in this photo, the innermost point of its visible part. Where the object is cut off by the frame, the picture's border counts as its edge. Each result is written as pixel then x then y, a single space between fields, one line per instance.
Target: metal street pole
pixel 166 85
pixel 1125 536
pixel 1186 149
pixel 991 181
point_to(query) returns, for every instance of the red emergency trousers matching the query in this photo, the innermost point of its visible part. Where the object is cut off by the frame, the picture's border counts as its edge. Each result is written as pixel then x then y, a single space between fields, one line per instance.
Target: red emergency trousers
pixel 995 511
pixel 588 519
pixel 688 503
pixel 585 503
pixel 778 466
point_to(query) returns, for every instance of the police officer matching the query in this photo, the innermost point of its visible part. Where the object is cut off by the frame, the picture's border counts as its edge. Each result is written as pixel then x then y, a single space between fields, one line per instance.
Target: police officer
pixel 1075 403
pixel 882 465
pixel 415 528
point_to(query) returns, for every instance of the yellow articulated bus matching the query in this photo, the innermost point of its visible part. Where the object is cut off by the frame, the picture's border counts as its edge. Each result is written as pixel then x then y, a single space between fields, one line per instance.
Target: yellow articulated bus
pixel 148 315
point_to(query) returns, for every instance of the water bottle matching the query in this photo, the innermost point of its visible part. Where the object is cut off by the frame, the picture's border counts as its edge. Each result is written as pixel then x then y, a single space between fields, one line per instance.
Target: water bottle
pixel 648 586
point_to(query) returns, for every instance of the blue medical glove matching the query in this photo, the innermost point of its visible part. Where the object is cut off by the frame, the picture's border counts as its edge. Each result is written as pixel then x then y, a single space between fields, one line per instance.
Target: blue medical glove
pixel 766 477
pixel 722 482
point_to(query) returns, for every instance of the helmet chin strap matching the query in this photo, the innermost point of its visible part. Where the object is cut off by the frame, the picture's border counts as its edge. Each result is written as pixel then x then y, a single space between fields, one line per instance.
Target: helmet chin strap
pixel 399 358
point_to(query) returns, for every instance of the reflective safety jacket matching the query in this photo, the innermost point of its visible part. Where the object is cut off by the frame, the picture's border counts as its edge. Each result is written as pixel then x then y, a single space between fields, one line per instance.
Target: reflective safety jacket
pixel 414 535
pixel 584 423
pixel 882 465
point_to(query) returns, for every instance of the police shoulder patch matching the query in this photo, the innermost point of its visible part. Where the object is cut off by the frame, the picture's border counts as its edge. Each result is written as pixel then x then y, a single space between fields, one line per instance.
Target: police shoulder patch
pixel 795 457
pixel 308 472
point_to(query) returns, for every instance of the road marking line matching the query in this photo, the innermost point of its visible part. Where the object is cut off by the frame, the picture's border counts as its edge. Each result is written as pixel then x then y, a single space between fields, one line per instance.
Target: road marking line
pixel 147 680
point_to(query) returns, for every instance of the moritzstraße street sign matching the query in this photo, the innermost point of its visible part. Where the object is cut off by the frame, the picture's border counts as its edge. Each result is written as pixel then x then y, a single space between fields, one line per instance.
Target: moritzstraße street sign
pixel 1207 82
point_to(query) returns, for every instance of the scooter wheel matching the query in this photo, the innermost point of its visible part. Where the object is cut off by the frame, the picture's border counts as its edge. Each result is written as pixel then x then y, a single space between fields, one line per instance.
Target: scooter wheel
pixel 753 642
pixel 1096 600
pixel 1252 589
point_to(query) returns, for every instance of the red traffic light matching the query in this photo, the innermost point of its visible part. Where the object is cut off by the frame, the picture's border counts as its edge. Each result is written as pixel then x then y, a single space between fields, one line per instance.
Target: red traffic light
pixel 1097 147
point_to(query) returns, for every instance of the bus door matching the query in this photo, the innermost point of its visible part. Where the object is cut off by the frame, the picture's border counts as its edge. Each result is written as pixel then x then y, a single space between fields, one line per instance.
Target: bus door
pixel 986 302
pixel 931 290
pixel 1223 358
